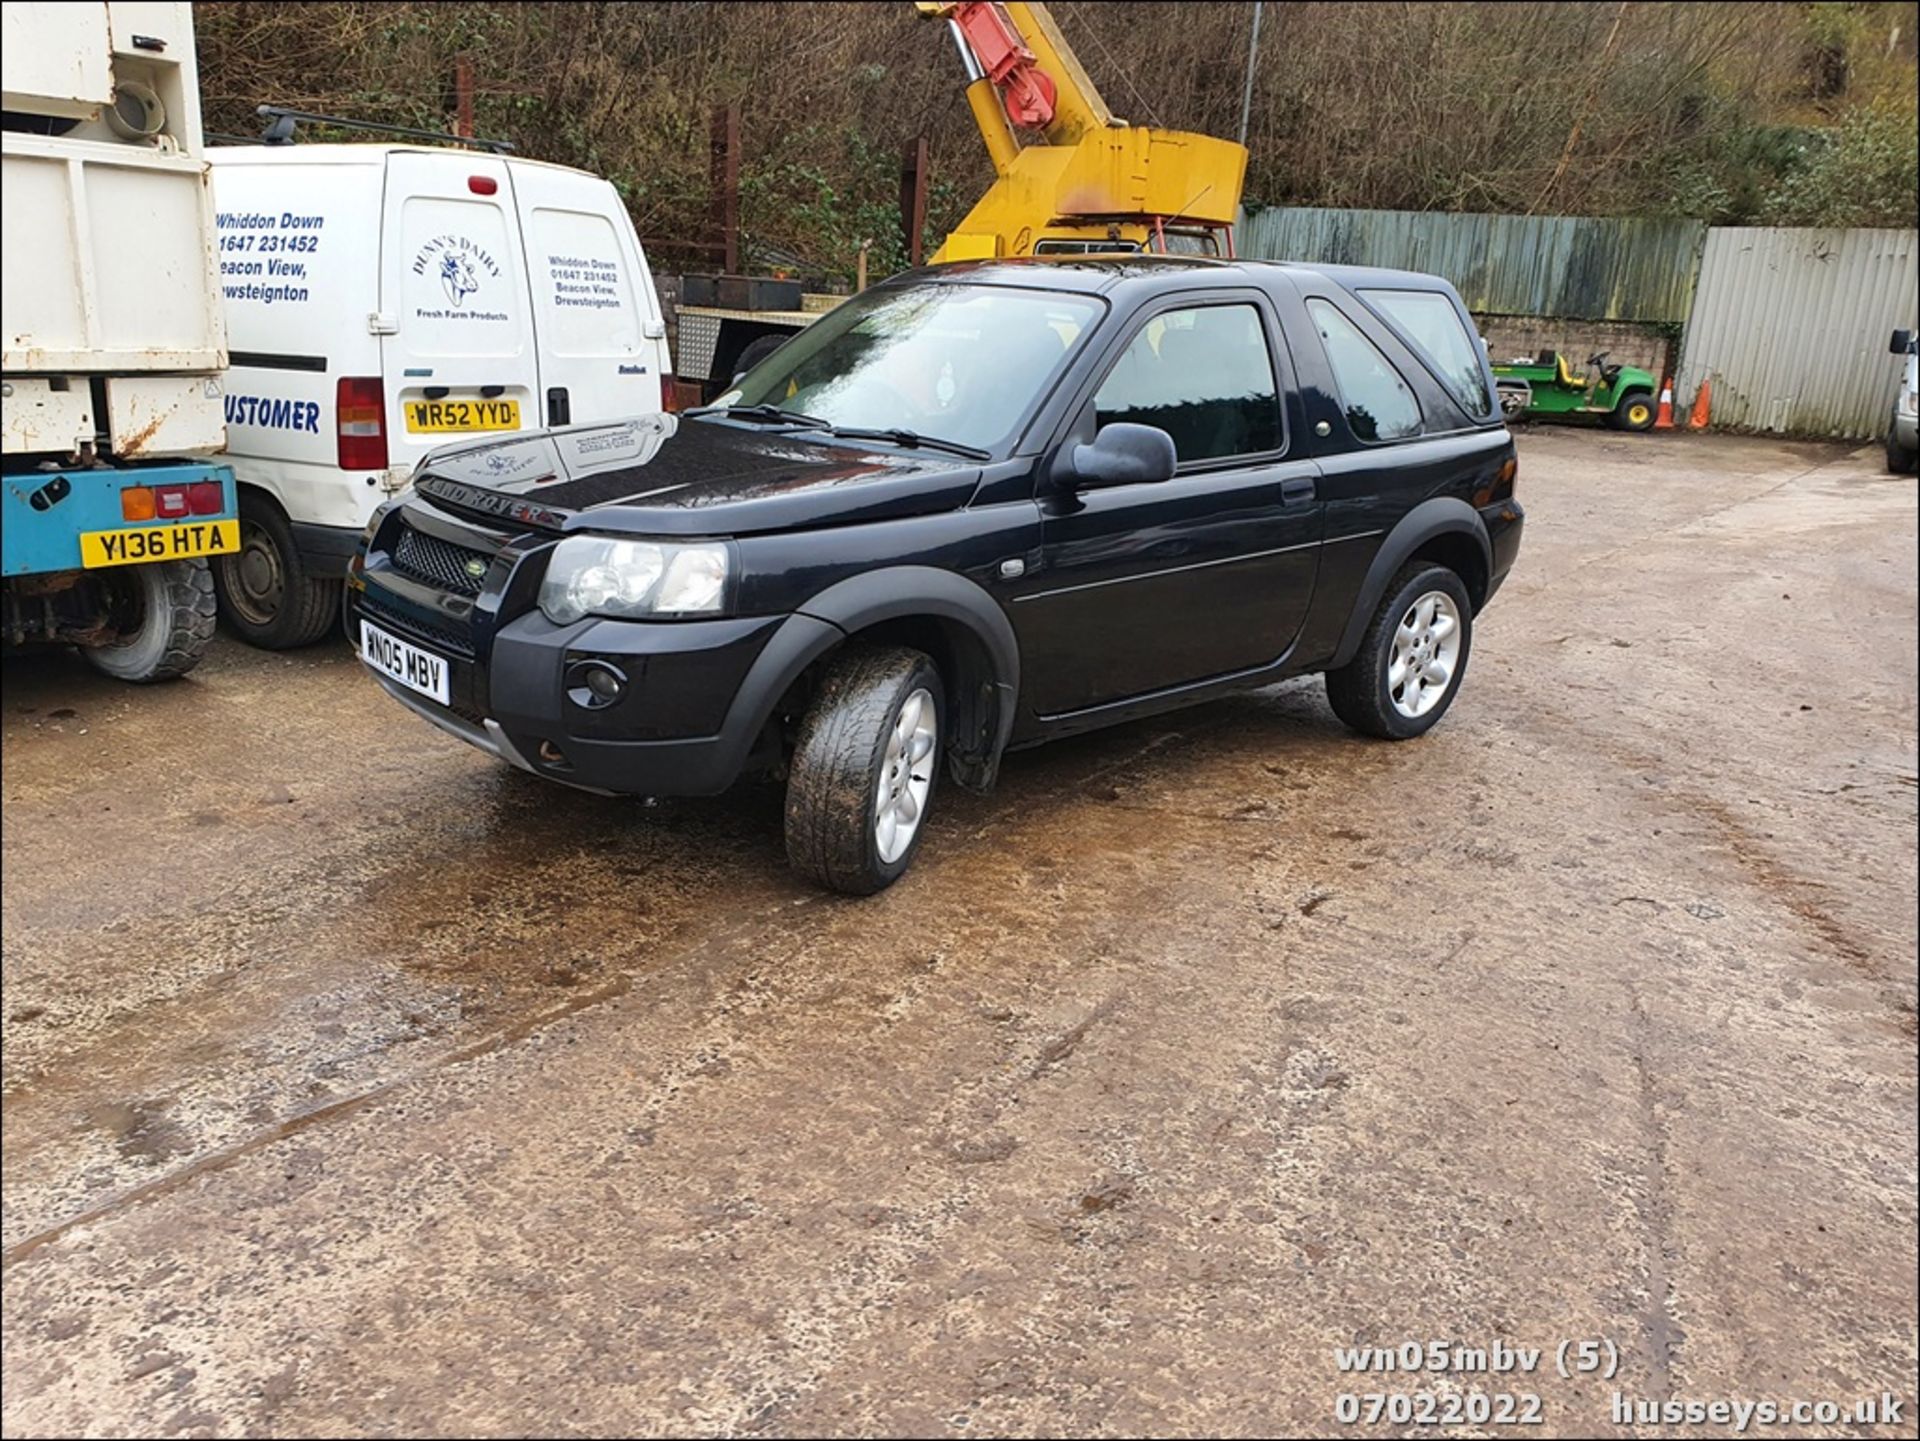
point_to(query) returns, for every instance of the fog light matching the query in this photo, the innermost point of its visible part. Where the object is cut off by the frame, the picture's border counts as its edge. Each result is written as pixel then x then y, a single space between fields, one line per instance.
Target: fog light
pixel 595 684
pixel 552 754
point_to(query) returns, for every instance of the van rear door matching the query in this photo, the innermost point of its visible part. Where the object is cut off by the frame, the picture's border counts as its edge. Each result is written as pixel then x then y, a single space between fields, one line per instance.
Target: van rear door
pixel 602 352
pixel 458 355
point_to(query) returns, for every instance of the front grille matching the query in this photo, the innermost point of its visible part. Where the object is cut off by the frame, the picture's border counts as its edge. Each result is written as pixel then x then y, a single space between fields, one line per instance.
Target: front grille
pixel 406 627
pixel 440 563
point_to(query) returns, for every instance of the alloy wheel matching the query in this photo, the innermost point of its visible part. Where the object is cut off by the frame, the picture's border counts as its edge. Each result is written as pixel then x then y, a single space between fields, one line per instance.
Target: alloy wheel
pixel 906 775
pixel 1426 654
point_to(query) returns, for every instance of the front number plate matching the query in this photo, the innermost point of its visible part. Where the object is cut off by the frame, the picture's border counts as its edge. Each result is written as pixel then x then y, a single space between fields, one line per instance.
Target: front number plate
pixel 453 417
pixel 170 540
pixel 416 669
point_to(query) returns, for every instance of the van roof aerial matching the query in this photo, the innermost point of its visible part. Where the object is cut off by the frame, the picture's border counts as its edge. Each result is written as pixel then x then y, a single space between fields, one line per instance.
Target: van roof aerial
pixel 281 122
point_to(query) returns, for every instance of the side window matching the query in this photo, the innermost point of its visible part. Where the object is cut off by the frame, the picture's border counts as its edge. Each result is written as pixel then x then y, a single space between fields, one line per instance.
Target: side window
pixel 1202 375
pixel 1429 320
pixel 1379 404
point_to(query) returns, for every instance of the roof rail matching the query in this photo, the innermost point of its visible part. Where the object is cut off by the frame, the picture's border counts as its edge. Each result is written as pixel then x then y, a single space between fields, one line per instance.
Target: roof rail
pixel 281 122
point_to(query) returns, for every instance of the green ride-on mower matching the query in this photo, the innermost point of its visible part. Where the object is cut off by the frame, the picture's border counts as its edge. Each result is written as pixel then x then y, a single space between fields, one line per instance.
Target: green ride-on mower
pixel 1547 386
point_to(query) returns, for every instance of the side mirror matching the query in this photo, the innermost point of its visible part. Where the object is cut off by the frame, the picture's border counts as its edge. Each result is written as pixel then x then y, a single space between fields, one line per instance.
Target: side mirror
pixel 1124 454
pixel 1902 341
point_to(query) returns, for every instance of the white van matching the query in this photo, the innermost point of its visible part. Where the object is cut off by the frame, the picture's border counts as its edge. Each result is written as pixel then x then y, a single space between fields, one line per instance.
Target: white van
pixel 385 299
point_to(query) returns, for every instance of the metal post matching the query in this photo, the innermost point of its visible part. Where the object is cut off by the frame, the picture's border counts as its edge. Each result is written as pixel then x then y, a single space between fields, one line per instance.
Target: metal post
pixel 463 97
pixel 726 187
pixel 1253 51
pixel 913 197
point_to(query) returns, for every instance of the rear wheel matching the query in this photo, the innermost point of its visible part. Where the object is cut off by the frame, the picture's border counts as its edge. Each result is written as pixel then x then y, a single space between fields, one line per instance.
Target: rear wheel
pixel 163 613
pixel 265 591
pixel 1634 412
pixel 1900 459
pixel 865 769
pixel 1408 668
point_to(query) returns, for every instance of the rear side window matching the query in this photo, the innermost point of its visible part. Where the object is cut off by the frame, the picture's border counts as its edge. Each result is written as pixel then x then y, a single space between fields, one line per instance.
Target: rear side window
pixel 1431 323
pixel 1204 376
pixel 1379 404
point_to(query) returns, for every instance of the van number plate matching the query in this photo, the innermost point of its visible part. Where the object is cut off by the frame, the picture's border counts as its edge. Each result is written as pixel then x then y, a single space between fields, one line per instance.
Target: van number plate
pixel 444 417
pixel 416 669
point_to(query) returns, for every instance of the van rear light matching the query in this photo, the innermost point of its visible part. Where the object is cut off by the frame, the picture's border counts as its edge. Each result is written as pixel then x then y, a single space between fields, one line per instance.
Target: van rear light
pixel 206 498
pixel 136 503
pixel 482 184
pixel 170 501
pixel 360 410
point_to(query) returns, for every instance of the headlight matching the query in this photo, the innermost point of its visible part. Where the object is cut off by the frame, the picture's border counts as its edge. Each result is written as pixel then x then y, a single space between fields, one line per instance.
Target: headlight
pixel 632 579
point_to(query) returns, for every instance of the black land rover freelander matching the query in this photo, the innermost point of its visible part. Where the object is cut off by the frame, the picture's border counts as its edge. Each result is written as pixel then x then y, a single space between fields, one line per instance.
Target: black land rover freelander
pixel 973 508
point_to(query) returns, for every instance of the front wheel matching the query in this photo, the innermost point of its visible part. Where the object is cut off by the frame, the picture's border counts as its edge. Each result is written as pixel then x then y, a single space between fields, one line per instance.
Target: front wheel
pixel 1634 412
pixel 1408 668
pixel 865 769
pixel 162 614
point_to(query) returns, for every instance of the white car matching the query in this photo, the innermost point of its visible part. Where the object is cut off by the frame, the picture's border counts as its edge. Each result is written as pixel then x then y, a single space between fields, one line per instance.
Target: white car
pixel 382 300
pixel 1903 448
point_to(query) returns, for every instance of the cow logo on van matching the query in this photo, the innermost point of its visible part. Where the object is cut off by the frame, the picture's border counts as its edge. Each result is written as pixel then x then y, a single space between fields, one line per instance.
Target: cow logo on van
pixel 456 274
pixel 462 266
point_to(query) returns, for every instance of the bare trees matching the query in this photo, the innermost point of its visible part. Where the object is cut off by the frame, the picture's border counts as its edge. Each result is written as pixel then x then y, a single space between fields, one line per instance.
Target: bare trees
pixel 1653 107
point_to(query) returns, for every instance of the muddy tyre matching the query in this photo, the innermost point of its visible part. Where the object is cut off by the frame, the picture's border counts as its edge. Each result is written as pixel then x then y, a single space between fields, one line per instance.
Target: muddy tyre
pixel 1900 461
pixel 1634 412
pixel 266 594
pixel 1411 659
pixel 865 769
pixel 164 612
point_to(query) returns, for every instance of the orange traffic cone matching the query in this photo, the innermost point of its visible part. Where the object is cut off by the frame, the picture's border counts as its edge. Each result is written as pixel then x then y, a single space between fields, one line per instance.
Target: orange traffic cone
pixel 1664 420
pixel 1702 403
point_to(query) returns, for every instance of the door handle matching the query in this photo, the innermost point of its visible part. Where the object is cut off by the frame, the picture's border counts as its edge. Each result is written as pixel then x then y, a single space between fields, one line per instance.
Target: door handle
pixel 1297 491
pixel 559 406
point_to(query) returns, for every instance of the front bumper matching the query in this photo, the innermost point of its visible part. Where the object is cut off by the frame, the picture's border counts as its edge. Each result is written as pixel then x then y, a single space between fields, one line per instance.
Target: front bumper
pixel 698 693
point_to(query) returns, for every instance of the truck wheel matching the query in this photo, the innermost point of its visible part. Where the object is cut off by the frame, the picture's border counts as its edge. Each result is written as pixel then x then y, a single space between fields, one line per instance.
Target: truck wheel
pixel 1899 461
pixel 1408 668
pixel 757 351
pixel 1634 412
pixel 164 614
pixel 865 769
pixel 265 591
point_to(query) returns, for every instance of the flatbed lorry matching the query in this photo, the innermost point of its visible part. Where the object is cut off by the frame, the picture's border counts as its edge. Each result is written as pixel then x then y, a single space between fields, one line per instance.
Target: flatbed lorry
pixel 111 390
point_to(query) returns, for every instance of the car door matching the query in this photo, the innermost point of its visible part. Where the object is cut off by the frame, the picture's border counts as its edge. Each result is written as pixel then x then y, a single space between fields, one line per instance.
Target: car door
pixel 1150 586
pixel 601 349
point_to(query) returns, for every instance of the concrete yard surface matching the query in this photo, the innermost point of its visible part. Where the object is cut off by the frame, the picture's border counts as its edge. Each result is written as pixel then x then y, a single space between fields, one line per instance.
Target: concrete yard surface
pixel 358 1085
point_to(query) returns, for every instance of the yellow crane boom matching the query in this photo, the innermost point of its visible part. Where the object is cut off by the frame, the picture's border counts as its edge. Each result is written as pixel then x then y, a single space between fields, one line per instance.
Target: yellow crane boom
pixel 1086 181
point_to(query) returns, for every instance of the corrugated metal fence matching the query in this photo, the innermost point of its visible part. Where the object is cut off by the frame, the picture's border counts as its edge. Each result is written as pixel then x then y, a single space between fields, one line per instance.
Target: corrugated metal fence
pixel 1579 267
pixel 1792 326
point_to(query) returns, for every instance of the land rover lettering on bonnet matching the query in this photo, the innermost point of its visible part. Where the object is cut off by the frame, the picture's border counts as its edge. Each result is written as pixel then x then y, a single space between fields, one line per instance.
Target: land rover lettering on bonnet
pixel 972 509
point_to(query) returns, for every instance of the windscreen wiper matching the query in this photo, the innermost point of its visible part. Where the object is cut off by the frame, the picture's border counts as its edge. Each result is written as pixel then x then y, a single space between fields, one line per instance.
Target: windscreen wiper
pixel 910 439
pixel 762 412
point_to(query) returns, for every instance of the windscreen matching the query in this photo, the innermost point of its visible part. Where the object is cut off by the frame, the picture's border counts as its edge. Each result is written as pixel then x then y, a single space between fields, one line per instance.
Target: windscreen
pixel 963 363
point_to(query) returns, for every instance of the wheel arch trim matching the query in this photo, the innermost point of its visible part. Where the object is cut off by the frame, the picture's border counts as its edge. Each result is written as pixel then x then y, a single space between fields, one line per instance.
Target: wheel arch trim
pixel 1439 516
pixel 849 606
